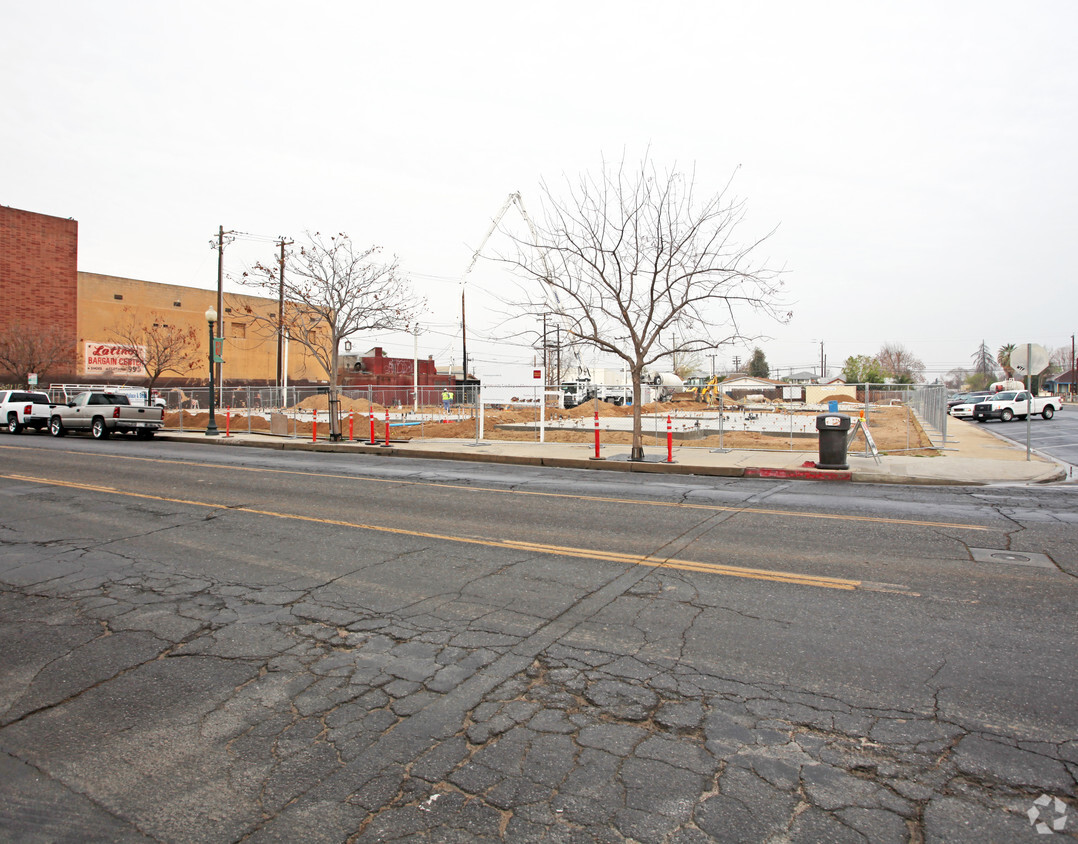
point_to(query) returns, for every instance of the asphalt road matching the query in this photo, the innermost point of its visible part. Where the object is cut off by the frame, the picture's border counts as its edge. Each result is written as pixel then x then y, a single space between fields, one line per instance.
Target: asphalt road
pixel 222 644
pixel 1056 437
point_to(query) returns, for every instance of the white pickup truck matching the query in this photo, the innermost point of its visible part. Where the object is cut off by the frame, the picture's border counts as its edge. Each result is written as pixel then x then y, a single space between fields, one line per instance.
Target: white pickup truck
pixel 103 414
pixel 1010 404
pixel 24 409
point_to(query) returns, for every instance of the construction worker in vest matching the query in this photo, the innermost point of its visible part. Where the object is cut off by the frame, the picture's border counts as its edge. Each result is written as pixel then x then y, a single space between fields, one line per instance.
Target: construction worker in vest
pixel 447 399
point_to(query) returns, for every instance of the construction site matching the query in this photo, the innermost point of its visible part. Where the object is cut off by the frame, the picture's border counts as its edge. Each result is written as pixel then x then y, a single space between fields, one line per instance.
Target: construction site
pixel 894 427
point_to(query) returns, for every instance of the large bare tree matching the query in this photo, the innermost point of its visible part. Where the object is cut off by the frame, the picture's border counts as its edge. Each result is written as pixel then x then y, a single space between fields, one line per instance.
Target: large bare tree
pixel 901 364
pixel 333 290
pixel 159 347
pixel 638 266
pixel 26 349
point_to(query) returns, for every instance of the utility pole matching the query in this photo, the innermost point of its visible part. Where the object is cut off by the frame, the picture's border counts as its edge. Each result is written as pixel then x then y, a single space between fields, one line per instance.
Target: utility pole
pixel 737 364
pixel 280 314
pixel 546 356
pixel 463 338
pixel 557 350
pixel 221 305
pixel 712 365
pixel 823 370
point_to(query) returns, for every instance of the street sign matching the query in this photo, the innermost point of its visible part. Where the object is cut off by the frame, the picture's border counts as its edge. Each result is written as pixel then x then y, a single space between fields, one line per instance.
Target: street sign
pixel 31 379
pixel 537 373
pixel 1029 359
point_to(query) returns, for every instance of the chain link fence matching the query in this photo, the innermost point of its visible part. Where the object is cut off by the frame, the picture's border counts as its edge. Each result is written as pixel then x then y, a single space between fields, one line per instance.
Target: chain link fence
pixel 902 418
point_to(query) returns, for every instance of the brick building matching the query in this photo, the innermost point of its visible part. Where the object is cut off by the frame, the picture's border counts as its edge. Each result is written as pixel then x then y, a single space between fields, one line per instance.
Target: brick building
pixel 39 275
pixel 41 289
pixel 376 368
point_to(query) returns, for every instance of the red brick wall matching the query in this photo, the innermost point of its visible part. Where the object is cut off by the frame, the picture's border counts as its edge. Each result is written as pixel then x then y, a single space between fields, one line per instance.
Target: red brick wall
pixel 39 273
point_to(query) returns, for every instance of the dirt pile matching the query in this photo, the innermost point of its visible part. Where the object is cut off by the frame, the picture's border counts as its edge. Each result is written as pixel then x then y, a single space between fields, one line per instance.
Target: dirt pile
pixel 321 402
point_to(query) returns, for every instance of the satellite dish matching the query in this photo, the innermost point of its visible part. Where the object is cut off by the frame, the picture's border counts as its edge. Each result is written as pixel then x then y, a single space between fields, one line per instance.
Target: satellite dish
pixel 1029 359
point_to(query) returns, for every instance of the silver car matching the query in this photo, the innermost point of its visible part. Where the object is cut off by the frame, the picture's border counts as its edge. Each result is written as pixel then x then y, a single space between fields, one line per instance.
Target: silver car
pixel 964 410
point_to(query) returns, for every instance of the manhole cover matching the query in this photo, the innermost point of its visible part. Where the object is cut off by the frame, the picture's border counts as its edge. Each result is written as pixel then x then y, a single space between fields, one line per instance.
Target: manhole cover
pixel 1014 558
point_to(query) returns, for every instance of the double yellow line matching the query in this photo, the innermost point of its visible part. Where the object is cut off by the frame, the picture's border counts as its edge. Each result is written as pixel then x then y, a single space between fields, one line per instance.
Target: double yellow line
pixel 516 545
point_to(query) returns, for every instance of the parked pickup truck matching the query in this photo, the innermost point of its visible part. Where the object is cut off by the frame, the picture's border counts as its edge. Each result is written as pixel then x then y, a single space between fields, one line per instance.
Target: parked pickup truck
pixel 1009 404
pixel 103 414
pixel 24 409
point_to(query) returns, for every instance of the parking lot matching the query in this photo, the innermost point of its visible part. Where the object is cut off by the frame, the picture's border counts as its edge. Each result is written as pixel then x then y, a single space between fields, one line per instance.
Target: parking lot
pixel 1056 437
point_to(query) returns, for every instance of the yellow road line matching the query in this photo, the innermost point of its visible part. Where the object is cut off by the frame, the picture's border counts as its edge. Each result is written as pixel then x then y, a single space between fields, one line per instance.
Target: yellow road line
pixel 714 508
pixel 516 545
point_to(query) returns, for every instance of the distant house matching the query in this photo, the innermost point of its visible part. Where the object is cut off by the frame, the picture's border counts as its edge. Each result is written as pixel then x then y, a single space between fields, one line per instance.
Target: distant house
pixel 1064 383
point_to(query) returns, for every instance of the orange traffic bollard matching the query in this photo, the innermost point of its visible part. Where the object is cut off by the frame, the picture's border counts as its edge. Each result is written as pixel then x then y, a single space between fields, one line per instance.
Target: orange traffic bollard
pixel 387 426
pixel 228 422
pixel 372 425
pixel 351 419
pixel 669 441
pixel 597 435
pixel 314 427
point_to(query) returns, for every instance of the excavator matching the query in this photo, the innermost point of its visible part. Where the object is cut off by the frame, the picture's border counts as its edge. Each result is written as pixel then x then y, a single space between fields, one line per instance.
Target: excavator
pixel 709 392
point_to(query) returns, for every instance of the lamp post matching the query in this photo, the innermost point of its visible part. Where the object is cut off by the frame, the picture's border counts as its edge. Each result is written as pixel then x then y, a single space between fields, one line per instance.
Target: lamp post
pixel 211 428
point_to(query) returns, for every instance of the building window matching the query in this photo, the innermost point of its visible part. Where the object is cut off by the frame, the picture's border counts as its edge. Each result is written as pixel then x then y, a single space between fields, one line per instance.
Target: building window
pixel 177 305
pixel 239 329
pixel 119 297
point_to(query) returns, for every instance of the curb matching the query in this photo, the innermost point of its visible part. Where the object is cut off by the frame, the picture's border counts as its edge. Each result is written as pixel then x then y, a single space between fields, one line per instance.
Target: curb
pixel 800 474
pixel 659 468
pixel 656 467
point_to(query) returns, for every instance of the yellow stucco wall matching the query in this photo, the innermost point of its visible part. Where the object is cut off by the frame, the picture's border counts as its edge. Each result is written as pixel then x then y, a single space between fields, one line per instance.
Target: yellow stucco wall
pixel 105 301
pixel 815 393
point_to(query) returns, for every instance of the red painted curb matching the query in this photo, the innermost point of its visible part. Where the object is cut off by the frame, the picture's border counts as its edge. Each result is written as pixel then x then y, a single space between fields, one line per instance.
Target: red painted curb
pixel 799 474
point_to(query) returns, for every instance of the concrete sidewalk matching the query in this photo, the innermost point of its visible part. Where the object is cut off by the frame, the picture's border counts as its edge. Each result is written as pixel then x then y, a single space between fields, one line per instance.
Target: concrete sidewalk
pixel 972 456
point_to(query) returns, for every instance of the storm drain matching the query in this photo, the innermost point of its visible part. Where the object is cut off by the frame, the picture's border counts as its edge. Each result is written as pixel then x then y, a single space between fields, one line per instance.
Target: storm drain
pixel 1014 558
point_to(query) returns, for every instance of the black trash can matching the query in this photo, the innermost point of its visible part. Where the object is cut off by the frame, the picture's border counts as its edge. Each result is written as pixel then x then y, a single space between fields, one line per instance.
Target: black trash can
pixel 833 429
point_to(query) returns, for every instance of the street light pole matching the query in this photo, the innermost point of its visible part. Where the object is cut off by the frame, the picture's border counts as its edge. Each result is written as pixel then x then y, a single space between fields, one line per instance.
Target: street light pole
pixel 211 428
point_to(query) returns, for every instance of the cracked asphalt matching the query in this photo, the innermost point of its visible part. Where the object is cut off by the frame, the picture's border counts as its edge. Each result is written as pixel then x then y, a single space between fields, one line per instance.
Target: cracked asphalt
pixel 199 645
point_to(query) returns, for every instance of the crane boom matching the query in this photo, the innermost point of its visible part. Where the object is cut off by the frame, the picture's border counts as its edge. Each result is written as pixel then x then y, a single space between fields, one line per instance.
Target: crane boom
pixel 515 199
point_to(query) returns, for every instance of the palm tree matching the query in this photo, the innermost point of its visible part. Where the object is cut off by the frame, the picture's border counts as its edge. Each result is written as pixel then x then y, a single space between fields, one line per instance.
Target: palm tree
pixel 1004 358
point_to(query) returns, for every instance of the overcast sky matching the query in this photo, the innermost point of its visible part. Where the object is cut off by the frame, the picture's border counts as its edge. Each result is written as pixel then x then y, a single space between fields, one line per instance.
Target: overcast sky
pixel 920 159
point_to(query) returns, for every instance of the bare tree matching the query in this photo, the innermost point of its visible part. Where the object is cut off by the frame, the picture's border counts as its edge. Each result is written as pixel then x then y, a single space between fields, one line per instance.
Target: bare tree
pixel 956 378
pixel 331 291
pixel 26 348
pixel 156 345
pixel 901 364
pixel 1060 361
pixel 641 268
pixel 686 365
